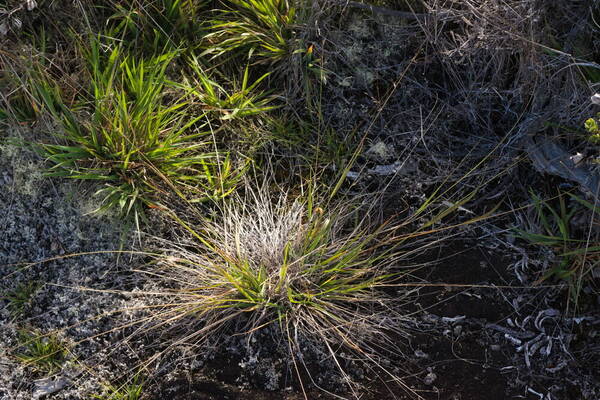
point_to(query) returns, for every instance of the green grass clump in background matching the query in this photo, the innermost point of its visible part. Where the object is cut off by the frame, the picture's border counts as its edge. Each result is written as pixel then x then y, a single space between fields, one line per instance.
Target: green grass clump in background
pixel 158 26
pixel 19 298
pixel 259 28
pixel 45 353
pixel 128 391
pixel 132 131
pixel 271 34
pixel 578 254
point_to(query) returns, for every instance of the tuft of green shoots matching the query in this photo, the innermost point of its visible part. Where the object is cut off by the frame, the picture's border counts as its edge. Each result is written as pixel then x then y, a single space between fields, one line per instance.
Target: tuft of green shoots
pixel 19 298
pixel 45 353
pixel 242 101
pixel 578 256
pixel 132 132
pixel 128 391
pixel 260 28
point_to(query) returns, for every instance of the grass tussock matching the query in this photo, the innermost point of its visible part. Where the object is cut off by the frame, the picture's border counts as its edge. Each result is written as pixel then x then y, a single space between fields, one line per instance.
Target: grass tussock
pixel 132 390
pixel 315 275
pixel 123 132
pixel 20 298
pixel 577 250
pixel 42 352
pixel 260 28
pixel 158 26
pixel 215 99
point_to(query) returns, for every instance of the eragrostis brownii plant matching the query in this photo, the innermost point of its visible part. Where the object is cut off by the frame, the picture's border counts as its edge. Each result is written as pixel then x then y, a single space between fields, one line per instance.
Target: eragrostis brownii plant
pixel 313 275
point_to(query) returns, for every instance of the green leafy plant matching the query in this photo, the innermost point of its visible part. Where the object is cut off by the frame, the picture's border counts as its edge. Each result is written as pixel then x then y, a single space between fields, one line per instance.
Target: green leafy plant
pixel 20 297
pixel 243 101
pixel 158 25
pixel 125 135
pixel 128 391
pixel 318 144
pixel 577 256
pixel 45 353
pixel 260 28
pixel 591 125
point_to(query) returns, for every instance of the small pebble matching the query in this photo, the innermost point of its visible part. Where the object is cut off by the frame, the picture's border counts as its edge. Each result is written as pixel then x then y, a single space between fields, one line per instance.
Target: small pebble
pixel 421 354
pixel 430 378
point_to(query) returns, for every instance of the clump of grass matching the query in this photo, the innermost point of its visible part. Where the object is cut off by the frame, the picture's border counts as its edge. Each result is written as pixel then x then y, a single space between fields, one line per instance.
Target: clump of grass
pixel 578 253
pixel 243 101
pixel 20 297
pixel 318 145
pixel 128 391
pixel 45 353
pixel 314 274
pixel 272 33
pixel 132 132
pixel 157 26
pixel 260 28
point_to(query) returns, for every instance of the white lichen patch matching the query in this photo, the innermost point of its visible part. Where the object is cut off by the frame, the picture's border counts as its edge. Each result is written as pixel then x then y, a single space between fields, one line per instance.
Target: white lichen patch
pixel 25 172
pixel 359 26
pixel 379 151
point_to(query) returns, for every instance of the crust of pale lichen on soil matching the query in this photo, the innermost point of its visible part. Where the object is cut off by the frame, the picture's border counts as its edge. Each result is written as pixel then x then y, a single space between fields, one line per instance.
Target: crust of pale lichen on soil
pixel 477 83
